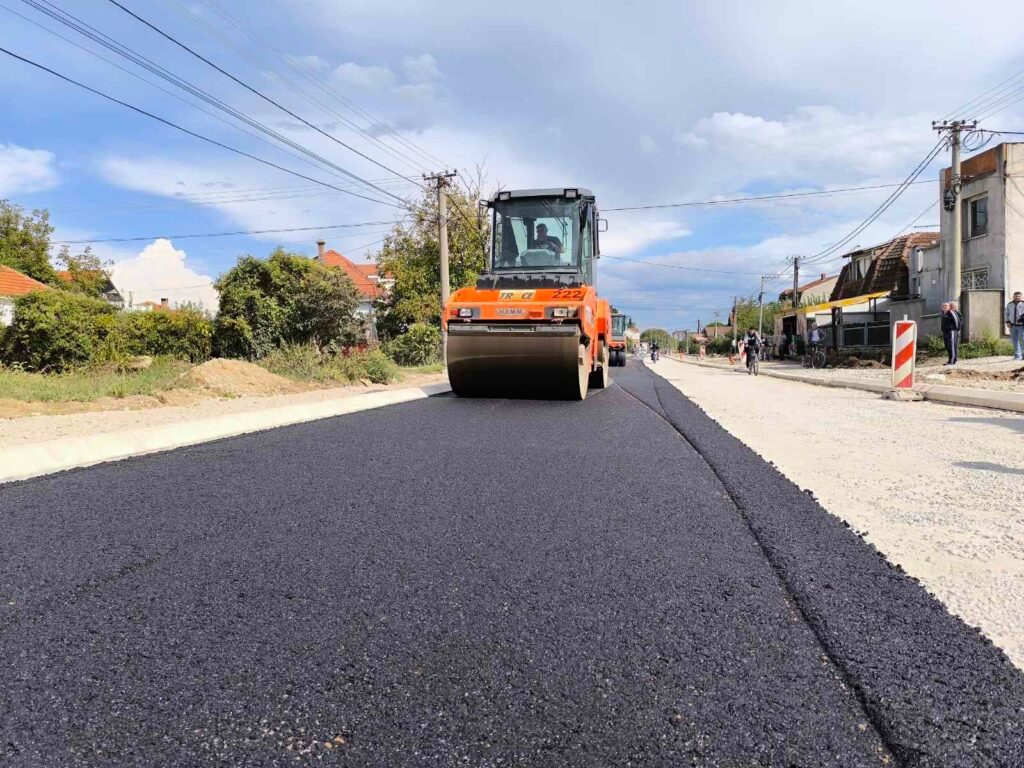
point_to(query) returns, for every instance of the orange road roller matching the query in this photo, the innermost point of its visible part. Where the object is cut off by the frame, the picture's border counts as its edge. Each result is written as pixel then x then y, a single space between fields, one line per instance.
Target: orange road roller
pixel 617 343
pixel 533 326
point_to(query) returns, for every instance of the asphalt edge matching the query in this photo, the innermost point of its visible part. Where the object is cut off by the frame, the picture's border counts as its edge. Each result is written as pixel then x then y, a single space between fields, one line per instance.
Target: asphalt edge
pixel 917 717
pixel 34 460
pixel 978 398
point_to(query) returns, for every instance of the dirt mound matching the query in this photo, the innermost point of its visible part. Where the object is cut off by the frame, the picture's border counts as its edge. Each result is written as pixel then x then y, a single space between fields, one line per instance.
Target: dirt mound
pixel 976 375
pixel 236 378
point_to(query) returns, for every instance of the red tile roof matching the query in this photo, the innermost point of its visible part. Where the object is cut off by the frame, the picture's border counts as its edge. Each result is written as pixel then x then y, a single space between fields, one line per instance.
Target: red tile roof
pixel 358 273
pixel 888 271
pixel 14 283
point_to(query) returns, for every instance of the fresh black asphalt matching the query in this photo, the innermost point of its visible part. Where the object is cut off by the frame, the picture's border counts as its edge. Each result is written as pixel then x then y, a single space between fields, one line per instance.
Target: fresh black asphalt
pixel 475 582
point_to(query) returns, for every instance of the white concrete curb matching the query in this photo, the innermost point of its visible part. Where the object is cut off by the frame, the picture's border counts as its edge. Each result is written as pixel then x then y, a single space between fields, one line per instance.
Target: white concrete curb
pixel 982 398
pixel 25 461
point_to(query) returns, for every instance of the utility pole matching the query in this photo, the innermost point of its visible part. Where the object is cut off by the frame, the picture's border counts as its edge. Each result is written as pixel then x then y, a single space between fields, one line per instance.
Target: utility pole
pixel 796 283
pixel 951 198
pixel 760 309
pixel 441 182
pixel 734 298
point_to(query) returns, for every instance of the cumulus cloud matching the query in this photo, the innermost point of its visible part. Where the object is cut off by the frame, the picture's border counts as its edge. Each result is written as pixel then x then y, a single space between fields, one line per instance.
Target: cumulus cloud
pixel 420 69
pixel 624 239
pixel 812 143
pixel 311 61
pixel 369 78
pixel 160 271
pixel 26 170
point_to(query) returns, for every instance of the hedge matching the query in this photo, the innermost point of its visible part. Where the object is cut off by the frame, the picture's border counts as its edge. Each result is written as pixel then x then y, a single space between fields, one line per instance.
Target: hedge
pixel 57 330
pixel 419 345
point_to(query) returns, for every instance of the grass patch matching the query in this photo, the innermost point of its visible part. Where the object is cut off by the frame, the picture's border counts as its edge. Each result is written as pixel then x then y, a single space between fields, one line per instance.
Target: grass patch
pixel 412 370
pixel 300 362
pixel 85 384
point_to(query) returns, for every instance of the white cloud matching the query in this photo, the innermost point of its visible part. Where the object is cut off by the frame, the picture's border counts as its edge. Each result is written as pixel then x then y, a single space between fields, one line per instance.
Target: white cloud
pixel 420 69
pixel 647 145
pixel 371 78
pixel 311 61
pixel 160 271
pixel 813 143
pixel 26 170
pixel 629 238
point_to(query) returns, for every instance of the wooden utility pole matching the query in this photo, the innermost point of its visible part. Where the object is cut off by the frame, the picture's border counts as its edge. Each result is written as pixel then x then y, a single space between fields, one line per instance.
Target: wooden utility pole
pixel 441 180
pixel 734 299
pixel 951 200
pixel 760 309
pixel 796 283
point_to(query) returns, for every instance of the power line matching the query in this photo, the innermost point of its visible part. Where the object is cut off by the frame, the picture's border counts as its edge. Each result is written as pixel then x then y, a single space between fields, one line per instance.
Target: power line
pixel 304 71
pixel 885 205
pixel 266 98
pixel 677 266
pixel 759 198
pixel 106 41
pixel 263 64
pixel 184 130
pixel 224 234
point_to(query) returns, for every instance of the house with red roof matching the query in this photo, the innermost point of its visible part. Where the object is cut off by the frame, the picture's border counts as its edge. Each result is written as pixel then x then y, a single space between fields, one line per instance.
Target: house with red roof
pixel 12 285
pixel 369 285
pixel 108 291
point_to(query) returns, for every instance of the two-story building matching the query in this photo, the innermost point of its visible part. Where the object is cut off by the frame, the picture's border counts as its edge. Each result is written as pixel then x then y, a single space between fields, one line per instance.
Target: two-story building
pixel 992 233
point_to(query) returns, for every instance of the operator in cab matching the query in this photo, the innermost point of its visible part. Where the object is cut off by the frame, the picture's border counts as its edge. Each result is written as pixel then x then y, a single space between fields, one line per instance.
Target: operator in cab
pixel 544 240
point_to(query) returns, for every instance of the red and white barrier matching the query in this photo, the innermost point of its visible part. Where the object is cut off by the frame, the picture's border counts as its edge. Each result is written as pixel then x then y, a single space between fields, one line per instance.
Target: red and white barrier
pixel 904 354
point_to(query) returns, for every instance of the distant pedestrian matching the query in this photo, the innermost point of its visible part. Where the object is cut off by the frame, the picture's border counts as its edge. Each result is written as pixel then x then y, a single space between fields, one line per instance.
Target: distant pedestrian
pixel 952 324
pixel 1015 319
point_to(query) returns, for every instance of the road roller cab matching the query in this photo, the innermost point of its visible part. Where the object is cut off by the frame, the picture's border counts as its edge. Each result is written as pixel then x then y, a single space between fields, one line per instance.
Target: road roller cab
pixel 533 324
pixel 617 342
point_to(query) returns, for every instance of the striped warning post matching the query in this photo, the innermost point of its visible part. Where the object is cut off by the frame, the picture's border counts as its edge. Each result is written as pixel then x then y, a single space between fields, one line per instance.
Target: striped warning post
pixel 904 352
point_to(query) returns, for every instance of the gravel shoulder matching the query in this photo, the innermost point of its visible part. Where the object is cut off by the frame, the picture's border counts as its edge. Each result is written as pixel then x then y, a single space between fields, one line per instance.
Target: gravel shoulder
pixel 938 489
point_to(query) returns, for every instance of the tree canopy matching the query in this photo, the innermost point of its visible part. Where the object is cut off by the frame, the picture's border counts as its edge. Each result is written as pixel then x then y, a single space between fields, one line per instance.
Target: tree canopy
pixel 25 242
pixel 285 299
pixel 411 257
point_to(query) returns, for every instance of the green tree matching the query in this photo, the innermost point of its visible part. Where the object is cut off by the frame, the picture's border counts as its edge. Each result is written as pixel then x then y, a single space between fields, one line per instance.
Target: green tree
pixel 88 272
pixel 285 299
pixel 662 337
pixel 54 330
pixel 25 242
pixel 411 257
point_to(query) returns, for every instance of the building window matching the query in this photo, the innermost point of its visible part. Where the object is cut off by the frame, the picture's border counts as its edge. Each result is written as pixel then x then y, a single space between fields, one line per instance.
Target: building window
pixel 977 216
pixel 976 279
pixel 860 267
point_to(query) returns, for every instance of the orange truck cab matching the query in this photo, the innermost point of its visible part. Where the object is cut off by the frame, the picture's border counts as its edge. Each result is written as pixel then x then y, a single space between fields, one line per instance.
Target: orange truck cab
pixel 533 323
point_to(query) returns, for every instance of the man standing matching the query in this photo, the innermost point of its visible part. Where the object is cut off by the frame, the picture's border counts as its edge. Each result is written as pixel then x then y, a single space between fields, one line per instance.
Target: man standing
pixel 952 322
pixel 1015 319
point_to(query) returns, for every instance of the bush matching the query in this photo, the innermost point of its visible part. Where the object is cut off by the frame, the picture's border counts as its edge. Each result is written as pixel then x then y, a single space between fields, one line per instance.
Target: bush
pixel 380 369
pixel 286 299
pixel 304 362
pixel 987 346
pixel 419 345
pixel 185 334
pixel 56 330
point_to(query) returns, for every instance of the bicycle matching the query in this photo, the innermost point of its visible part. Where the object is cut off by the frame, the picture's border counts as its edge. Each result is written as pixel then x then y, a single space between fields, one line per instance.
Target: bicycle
pixel 815 357
pixel 752 364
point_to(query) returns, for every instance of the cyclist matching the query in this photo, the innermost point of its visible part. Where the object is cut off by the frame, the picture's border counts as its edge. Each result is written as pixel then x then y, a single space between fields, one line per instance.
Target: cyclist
pixel 814 340
pixel 752 345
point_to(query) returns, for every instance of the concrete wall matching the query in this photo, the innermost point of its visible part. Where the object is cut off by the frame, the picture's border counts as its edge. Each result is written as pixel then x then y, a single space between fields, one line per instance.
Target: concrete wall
pixel 6 311
pixel 928 323
pixel 983 313
pixel 1014 219
pixel 928 284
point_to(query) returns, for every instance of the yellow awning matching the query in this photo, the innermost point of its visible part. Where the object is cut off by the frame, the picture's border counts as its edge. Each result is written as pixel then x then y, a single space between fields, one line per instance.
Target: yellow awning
pixel 850 302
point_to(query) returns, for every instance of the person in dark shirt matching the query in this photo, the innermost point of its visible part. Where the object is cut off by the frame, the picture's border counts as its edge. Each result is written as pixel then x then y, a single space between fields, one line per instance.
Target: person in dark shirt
pixel 952 324
pixel 544 240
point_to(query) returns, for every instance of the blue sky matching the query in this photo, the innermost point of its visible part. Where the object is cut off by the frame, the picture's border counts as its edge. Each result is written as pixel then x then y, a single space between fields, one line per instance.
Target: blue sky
pixel 670 102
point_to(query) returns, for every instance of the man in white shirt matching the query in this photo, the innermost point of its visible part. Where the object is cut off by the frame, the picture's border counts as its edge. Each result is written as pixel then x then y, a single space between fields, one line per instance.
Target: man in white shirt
pixel 1015 319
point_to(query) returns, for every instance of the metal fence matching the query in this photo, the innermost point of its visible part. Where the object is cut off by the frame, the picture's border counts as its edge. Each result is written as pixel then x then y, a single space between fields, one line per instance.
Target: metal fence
pixel 873 334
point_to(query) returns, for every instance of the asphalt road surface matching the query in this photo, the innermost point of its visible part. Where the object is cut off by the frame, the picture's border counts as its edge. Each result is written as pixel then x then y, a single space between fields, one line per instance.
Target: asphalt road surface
pixel 475 582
